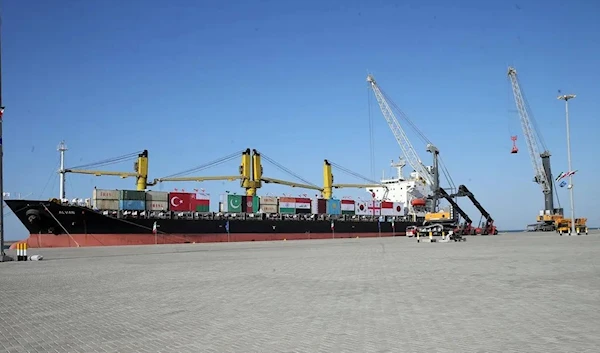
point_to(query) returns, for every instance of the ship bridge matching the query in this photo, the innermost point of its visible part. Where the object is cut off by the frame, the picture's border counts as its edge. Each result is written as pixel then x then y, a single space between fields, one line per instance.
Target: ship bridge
pixel 399 188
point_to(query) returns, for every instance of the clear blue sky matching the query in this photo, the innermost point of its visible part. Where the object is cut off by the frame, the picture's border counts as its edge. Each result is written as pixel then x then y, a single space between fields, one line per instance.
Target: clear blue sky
pixel 192 81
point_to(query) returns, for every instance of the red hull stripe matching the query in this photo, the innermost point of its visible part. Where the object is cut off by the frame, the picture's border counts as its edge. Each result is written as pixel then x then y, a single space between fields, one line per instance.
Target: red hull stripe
pixel 85 240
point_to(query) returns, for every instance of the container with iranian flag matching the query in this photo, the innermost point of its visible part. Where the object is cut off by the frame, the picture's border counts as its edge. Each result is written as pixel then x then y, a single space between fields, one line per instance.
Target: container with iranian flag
pixel 348 206
pixel 287 205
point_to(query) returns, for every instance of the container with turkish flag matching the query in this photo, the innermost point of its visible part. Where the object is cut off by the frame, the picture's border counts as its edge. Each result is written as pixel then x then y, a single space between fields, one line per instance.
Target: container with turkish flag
pixel 181 201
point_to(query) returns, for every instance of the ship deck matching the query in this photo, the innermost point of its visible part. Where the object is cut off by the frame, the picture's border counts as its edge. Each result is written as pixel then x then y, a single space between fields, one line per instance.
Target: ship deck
pixel 512 292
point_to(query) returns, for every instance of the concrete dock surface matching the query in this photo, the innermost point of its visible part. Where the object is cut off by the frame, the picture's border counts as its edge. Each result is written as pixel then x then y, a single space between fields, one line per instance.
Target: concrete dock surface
pixel 515 292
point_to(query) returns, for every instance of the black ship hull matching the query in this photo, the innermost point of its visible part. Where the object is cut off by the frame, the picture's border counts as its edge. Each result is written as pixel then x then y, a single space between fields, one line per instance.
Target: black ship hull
pixel 52 224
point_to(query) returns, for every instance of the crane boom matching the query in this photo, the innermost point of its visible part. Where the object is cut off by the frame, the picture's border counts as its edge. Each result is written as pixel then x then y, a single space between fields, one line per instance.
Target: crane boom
pixel 407 148
pixel 541 177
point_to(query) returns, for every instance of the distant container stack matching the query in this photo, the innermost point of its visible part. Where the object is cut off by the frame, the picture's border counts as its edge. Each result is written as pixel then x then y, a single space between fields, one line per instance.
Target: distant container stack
pixel 134 200
pixel 157 201
pixel 105 199
pixel 239 204
pixel 268 204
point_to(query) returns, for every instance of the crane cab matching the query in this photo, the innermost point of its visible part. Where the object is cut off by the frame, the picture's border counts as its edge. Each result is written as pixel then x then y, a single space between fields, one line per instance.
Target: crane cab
pixel 515 149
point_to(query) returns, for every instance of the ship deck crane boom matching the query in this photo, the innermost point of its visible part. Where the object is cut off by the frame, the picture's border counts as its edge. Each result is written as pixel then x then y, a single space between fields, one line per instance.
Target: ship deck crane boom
pixel 539 161
pixel 140 167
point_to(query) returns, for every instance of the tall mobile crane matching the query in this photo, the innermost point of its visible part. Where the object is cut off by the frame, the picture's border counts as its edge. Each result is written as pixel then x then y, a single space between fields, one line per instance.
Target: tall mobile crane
pixel 540 161
pixel 430 176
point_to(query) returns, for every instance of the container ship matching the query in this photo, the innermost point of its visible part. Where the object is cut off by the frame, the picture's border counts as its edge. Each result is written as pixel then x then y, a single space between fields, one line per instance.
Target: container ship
pixel 143 216
pixel 137 217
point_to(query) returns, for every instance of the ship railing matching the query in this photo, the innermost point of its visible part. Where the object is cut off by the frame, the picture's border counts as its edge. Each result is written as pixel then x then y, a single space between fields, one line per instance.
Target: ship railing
pixel 249 216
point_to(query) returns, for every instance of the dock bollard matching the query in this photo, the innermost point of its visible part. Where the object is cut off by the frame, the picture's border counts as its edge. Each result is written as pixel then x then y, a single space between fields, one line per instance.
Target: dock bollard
pixel 22 252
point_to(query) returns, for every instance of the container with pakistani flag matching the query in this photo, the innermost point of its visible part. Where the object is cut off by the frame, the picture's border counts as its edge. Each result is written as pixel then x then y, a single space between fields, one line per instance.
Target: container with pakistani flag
pixel 234 203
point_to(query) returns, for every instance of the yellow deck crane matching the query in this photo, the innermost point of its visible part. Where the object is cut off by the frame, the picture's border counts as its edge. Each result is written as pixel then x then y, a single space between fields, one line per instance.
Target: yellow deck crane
pixel 250 173
pixel 140 169
pixel 326 190
pixel 245 173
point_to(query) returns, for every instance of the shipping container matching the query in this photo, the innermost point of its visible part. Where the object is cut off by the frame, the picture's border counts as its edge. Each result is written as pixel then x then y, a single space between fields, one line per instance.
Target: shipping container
pixel 268 208
pixel 132 195
pixel 250 204
pixel 181 201
pixel 234 203
pixel 314 206
pixel 101 194
pixel 347 205
pixel 287 203
pixel 268 200
pixel 201 205
pixel 157 205
pixel 303 204
pixel 157 196
pixel 321 206
pixel 334 207
pixel 132 205
pixel 387 208
pixel 374 207
pixel 110 205
pixel 287 210
pixel 361 208
pixel 398 208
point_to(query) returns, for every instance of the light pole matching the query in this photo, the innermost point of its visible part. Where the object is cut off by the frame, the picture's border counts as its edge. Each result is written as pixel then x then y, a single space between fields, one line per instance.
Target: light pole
pixel 566 98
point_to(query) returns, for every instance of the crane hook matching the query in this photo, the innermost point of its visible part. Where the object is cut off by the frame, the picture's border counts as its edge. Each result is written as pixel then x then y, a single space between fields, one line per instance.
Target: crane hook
pixel 515 149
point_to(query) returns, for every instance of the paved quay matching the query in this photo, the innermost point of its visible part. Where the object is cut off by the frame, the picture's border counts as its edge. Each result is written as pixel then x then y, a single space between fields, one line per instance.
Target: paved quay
pixel 514 292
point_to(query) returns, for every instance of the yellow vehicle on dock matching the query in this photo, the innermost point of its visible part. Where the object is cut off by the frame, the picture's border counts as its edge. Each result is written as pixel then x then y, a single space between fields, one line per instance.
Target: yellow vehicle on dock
pixel 563 225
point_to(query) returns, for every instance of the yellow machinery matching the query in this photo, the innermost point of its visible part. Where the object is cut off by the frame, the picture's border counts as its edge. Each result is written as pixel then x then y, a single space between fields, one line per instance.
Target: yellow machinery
pixel 141 171
pixel 250 175
pixel 563 225
pixel 438 216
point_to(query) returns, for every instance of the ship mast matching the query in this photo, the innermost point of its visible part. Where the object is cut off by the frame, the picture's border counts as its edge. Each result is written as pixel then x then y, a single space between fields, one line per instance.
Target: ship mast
pixel 2 254
pixel 62 148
